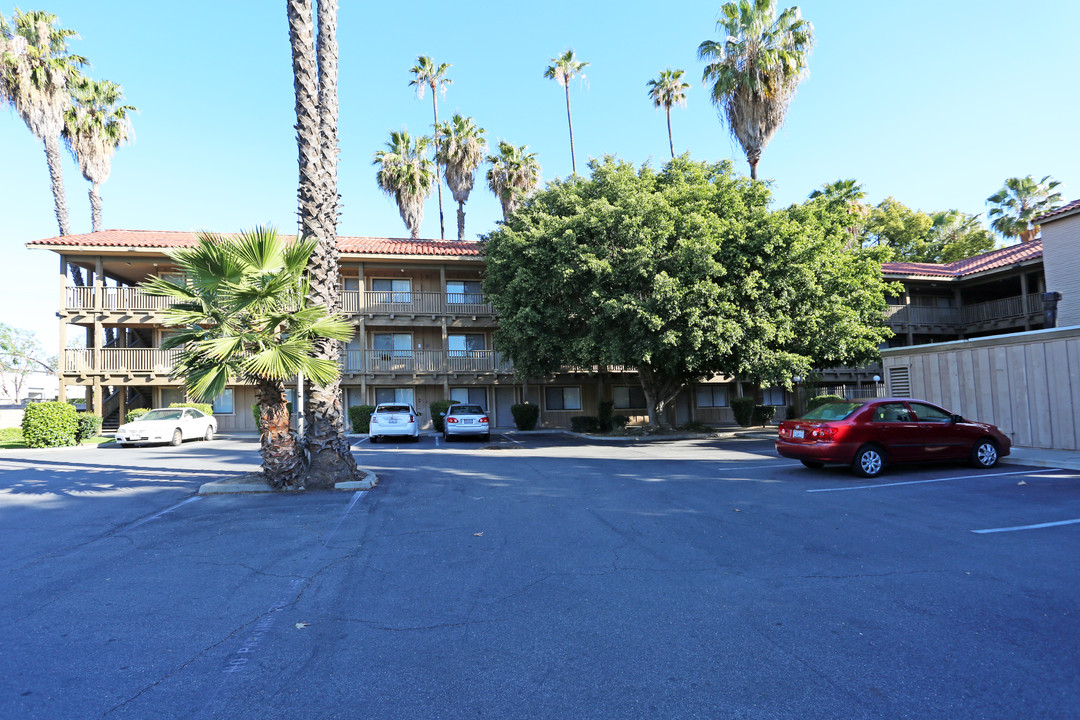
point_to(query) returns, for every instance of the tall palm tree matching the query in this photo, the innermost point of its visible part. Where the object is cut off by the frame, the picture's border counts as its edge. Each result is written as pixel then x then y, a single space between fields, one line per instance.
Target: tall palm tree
pixel 1018 203
pixel 667 91
pixel 406 174
pixel 563 69
pixel 243 315
pixel 35 73
pixel 426 74
pixel 755 70
pixel 461 150
pixel 513 176
pixel 94 126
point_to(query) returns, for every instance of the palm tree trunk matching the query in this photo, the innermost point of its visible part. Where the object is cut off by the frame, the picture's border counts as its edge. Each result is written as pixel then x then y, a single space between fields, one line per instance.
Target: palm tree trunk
pixel 570 122
pixel 282 459
pixel 461 221
pixel 95 208
pixel 56 174
pixel 305 86
pixel 670 140
pixel 438 181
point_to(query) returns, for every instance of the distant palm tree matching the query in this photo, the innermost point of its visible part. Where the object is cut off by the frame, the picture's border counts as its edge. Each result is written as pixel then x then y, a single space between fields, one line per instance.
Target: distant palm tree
pixel 667 91
pixel 755 70
pixel 564 69
pixel 429 75
pixel 406 174
pixel 513 176
pixel 955 235
pixel 1018 203
pixel 461 150
pixel 94 126
pixel 35 73
pixel 242 316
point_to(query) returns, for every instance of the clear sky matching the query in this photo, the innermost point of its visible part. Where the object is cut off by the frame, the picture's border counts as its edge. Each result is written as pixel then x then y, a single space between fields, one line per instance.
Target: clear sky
pixel 932 102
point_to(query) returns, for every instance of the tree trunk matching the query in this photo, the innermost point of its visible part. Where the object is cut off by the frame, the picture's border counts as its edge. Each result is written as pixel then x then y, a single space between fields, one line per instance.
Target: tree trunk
pixel 461 221
pixel 570 122
pixel 282 457
pixel 95 208
pixel 670 139
pixel 659 391
pixel 56 174
pixel 438 181
pixel 305 86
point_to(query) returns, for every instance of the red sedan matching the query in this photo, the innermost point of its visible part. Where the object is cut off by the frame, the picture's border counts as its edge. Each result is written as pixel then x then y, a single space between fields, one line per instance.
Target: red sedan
pixel 870 434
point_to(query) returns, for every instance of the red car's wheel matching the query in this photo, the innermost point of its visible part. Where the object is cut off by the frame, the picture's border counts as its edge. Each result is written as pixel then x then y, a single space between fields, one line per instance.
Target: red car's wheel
pixel 869 461
pixel 985 454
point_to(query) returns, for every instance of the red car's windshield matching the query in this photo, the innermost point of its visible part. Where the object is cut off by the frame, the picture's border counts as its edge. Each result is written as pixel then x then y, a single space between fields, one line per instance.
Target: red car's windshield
pixel 832 411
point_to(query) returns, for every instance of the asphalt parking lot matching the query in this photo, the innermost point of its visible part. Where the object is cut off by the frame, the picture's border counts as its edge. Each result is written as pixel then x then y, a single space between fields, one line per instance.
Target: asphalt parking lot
pixel 536 577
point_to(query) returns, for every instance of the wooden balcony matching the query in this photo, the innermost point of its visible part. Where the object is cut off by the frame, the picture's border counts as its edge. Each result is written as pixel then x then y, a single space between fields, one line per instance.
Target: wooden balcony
pixel 412 304
pixel 1007 312
pixel 1014 309
pixel 425 362
pixel 112 299
pixel 119 361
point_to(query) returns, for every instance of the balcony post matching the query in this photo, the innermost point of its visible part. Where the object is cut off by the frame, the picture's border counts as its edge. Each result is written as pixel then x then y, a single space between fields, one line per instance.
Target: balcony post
pixel 63 283
pixel 1024 300
pixel 442 306
pixel 360 304
pixel 99 285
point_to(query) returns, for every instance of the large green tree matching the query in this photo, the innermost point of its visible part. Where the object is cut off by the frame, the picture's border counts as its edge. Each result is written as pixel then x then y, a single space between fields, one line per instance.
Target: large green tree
pixel 243 314
pixel 562 70
pixel 754 71
pixel 406 174
pixel 513 176
pixel 428 75
pixel 1015 206
pixel 460 149
pixel 681 273
pixel 667 91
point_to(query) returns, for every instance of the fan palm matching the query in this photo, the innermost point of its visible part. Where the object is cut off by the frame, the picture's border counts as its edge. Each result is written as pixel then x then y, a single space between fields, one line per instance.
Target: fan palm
pixel 94 126
pixel 755 70
pixel 406 174
pixel 35 73
pixel 513 176
pixel 426 74
pixel 667 91
pixel 1018 203
pixel 242 316
pixel 563 69
pixel 461 149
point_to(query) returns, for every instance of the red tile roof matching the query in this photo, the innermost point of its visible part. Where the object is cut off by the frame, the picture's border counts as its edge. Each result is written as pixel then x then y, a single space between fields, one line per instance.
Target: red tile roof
pixel 968 266
pixel 176 239
pixel 1067 209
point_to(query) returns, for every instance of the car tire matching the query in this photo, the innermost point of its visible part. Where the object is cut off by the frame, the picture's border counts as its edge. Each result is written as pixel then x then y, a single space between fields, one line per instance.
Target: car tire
pixel 373 439
pixel 985 454
pixel 416 438
pixel 177 437
pixel 869 462
pixel 120 444
pixel 209 434
pixel 813 464
pixel 487 437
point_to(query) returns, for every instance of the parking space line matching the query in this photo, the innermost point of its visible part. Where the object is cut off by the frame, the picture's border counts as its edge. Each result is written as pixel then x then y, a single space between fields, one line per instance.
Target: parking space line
pixel 1028 527
pixel 934 480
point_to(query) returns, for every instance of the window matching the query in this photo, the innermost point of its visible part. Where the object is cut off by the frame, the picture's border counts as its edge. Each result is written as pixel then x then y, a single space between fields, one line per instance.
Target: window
pixel 394 395
pixel 461 345
pixel 170 396
pixel 891 412
pixel 223 403
pixel 350 284
pixel 392 344
pixel 387 290
pixel 464 291
pixel 773 396
pixel 562 398
pixel 354 397
pixel 929 413
pixel 473 396
pixel 290 398
pixel 628 397
pixel 711 396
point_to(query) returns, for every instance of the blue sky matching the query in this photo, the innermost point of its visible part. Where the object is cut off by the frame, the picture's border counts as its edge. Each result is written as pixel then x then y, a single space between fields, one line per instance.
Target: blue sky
pixel 934 103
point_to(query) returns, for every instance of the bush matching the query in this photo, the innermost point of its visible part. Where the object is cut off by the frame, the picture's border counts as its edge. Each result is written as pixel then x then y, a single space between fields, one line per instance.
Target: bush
pixel 585 424
pixel 88 426
pixel 360 418
pixel 437 409
pixel 525 415
pixel 604 416
pixel 618 422
pixel 135 414
pixel 743 409
pixel 821 400
pixel 49 424
pixel 257 414
pixel 790 412
pixel 763 414
pixel 205 407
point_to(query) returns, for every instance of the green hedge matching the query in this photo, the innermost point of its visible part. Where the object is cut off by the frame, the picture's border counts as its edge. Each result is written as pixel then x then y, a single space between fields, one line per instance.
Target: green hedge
pixel 525 415
pixel 360 418
pixel 763 414
pixel 205 407
pixel 89 425
pixel 50 424
pixel 743 409
pixel 257 415
pixel 135 414
pixel 437 409
pixel 585 424
pixel 607 407
pixel 821 400
pixel 618 422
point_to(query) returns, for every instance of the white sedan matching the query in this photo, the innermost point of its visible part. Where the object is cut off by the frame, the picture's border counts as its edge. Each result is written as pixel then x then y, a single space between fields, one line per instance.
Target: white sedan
pixel 171 425
pixel 394 420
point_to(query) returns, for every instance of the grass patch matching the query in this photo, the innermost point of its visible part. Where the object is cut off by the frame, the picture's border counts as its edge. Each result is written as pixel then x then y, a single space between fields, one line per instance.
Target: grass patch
pixel 12 439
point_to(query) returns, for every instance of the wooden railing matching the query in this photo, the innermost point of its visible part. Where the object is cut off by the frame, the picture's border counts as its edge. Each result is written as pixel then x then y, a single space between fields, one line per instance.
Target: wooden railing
pixel 426 362
pixel 919 315
pixel 113 298
pixel 120 360
pixel 1012 308
pixel 380 302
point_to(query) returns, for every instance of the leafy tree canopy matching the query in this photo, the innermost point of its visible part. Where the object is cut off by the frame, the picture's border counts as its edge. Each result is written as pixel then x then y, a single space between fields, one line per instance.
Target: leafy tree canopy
pixel 681 273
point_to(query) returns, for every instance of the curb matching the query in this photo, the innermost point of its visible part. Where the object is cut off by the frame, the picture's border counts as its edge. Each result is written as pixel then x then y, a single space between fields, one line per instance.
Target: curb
pixel 249 484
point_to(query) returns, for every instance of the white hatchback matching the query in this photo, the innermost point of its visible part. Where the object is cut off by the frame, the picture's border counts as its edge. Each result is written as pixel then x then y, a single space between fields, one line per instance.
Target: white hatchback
pixel 394 420
pixel 171 425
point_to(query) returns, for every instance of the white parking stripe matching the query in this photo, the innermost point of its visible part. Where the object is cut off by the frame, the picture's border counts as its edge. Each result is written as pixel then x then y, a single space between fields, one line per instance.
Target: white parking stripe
pixel 935 480
pixel 1028 527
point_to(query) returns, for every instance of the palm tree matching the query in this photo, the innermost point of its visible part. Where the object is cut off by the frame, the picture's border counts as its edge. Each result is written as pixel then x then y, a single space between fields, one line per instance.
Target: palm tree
pixel 94 126
pixel 513 176
pixel 564 69
pixel 1018 203
pixel 461 150
pixel 754 72
pixel 955 235
pixel 667 91
pixel 243 316
pixel 406 174
pixel 428 75
pixel 35 73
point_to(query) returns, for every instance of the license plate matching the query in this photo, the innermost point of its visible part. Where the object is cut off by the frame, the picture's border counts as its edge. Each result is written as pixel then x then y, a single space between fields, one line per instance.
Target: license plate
pixel 468 422
pixel 798 434
pixel 393 421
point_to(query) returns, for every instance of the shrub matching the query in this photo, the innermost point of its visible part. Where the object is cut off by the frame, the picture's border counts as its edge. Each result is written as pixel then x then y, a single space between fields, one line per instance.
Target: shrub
pixel 618 422
pixel 360 418
pixel 743 409
pixel 88 425
pixel 525 415
pixel 604 416
pixel 205 407
pixel 437 409
pixel 790 412
pixel 135 414
pixel 49 424
pixel 585 424
pixel 255 413
pixel 763 414
pixel 821 400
